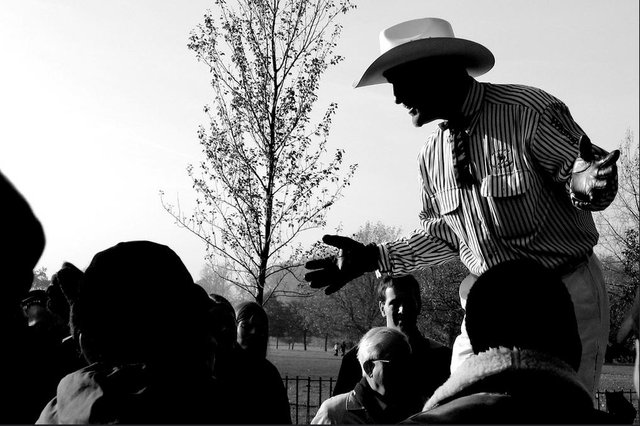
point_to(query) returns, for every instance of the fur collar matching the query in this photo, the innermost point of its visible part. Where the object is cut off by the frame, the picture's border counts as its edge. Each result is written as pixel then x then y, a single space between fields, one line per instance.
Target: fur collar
pixel 494 361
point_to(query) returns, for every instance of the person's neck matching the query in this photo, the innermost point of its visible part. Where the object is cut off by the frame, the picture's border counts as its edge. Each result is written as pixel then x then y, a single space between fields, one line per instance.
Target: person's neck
pixel 457 96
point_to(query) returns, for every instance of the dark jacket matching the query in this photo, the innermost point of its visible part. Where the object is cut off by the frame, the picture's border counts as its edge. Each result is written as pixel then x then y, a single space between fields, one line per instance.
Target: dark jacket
pixel 511 386
pixel 135 394
pixel 256 383
pixel 430 360
pixel 364 406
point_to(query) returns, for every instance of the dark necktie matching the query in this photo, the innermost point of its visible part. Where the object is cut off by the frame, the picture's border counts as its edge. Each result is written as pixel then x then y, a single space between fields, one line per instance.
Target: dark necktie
pixel 460 155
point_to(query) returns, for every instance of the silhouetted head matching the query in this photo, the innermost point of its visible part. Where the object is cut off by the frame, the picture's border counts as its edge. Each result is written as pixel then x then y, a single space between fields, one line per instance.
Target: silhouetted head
pixel 21 244
pixel 430 88
pixel 137 303
pixel 399 302
pixel 223 322
pixel 35 307
pixel 253 328
pixel 521 304
pixel 68 279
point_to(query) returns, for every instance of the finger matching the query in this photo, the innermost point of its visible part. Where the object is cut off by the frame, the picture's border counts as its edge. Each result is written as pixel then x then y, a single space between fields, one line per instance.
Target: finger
pixel 606 172
pixel 599 184
pixel 610 159
pixel 339 241
pixel 610 181
pixel 585 148
pixel 320 263
pixel 582 205
pixel 321 278
pixel 578 196
pixel 317 275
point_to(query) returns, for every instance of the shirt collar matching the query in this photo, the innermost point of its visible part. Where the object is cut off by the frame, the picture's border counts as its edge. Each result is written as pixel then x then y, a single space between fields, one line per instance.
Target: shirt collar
pixel 470 106
pixel 353 403
pixel 473 101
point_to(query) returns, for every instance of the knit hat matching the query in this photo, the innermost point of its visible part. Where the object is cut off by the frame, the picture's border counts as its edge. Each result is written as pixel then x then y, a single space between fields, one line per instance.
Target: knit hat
pixel 521 304
pixel 22 241
pixel 138 302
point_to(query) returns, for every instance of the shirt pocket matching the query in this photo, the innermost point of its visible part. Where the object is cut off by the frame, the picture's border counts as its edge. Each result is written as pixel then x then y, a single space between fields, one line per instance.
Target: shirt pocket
pixel 511 203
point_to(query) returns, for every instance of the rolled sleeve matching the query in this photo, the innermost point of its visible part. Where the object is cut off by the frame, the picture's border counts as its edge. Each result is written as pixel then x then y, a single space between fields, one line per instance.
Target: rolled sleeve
pixel 433 244
pixel 555 144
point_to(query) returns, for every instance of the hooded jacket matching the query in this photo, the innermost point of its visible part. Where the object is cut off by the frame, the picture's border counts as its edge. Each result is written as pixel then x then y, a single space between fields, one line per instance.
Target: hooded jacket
pixel 134 394
pixel 511 386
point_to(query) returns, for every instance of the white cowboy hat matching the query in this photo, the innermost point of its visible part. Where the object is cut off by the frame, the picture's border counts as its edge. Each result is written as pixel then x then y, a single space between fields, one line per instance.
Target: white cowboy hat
pixel 424 38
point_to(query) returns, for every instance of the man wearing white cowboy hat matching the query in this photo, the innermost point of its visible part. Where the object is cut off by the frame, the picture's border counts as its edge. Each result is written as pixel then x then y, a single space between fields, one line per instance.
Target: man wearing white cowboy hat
pixel 507 175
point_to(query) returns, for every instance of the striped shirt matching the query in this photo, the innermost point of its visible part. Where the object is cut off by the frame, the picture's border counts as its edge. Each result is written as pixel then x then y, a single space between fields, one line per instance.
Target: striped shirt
pixel 522 146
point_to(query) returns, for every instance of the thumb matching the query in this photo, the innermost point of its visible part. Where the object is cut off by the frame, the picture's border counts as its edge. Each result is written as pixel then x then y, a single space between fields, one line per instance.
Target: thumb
pixel 610 158
pixel 340 241
pixel 585 148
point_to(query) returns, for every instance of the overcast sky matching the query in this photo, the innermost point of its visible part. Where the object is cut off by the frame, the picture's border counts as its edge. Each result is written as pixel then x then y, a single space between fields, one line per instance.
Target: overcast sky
pixel 100 103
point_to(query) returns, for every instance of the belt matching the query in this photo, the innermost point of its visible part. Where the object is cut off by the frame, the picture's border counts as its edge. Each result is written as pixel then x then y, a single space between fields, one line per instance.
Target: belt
pixel 573 264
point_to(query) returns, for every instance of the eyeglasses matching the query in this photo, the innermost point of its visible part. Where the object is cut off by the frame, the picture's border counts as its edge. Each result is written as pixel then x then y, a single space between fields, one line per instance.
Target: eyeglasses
pixel 384 361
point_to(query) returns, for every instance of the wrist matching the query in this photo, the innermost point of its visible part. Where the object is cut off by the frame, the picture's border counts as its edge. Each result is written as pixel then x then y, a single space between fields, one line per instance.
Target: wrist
pixel 372 257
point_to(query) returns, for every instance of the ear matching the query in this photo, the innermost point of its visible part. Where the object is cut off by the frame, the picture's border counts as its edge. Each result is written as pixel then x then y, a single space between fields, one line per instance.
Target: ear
pixel 368 368
pixel 381 307
pixel 85 345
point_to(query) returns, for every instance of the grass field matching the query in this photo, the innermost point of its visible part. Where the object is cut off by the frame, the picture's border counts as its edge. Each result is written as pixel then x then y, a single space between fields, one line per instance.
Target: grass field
pixel 315 362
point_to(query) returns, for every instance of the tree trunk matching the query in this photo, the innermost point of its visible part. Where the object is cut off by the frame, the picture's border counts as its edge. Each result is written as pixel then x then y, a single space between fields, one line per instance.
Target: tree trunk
pixel 304 339
pixel 326 342
pixel 276 342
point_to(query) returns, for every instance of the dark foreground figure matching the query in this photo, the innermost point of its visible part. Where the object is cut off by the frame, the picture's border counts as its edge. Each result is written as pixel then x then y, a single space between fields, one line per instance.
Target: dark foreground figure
pixel 526 353
pixel 142 324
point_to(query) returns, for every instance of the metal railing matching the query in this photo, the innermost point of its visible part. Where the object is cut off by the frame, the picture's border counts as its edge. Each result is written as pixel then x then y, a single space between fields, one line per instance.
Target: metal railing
pixel 306 394
pixel 602 400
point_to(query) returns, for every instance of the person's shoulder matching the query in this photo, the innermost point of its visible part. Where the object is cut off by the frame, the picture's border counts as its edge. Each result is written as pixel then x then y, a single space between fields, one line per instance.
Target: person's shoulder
pixel 269 368
pixel 428 344
pixel 337 403
pixel 352 353
pixel 519 94
pixel 332 410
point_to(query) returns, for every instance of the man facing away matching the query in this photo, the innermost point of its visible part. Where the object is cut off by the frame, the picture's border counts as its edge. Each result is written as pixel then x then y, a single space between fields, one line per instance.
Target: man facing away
pixel 400 305
pixel 507 175
pixel 526 350
pixel 380 397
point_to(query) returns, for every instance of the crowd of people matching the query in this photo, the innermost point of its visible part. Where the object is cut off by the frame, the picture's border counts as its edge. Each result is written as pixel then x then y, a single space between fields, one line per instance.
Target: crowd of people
pixel 509 183
pixel 132 339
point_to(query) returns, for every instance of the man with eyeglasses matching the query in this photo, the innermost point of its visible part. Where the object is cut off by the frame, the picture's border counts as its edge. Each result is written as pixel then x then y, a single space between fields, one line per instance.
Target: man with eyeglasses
pixel 381 396
pixel 400 305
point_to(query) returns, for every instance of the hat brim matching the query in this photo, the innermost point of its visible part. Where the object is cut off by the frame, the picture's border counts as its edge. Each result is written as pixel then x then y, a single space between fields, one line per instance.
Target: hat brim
pixel 476 58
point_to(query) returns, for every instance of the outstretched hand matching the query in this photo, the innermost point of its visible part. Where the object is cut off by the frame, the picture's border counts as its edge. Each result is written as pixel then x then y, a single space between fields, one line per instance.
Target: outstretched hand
pixel 333 272
pixel 594 178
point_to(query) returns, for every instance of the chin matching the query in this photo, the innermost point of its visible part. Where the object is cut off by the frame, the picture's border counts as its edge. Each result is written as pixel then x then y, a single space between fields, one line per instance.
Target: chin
pixel 419 120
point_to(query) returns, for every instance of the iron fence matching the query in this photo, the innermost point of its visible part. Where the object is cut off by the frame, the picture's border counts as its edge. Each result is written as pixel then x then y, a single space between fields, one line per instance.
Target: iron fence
pixel 306 394
pixel 605 398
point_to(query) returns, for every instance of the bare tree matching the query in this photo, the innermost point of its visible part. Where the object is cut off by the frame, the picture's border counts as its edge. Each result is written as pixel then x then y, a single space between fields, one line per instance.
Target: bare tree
pixel 619 228
pixel 213 280
pixel 40 279
pixel 618 225
pixel 441 310
pixel 264 180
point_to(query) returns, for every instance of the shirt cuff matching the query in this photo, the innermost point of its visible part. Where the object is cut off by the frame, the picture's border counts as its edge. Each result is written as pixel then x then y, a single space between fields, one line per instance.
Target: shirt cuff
pixel 384 264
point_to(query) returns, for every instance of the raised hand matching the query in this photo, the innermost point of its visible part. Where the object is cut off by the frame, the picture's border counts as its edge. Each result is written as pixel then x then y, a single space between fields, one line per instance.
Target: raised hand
pixel 594 178
pixel 333 272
